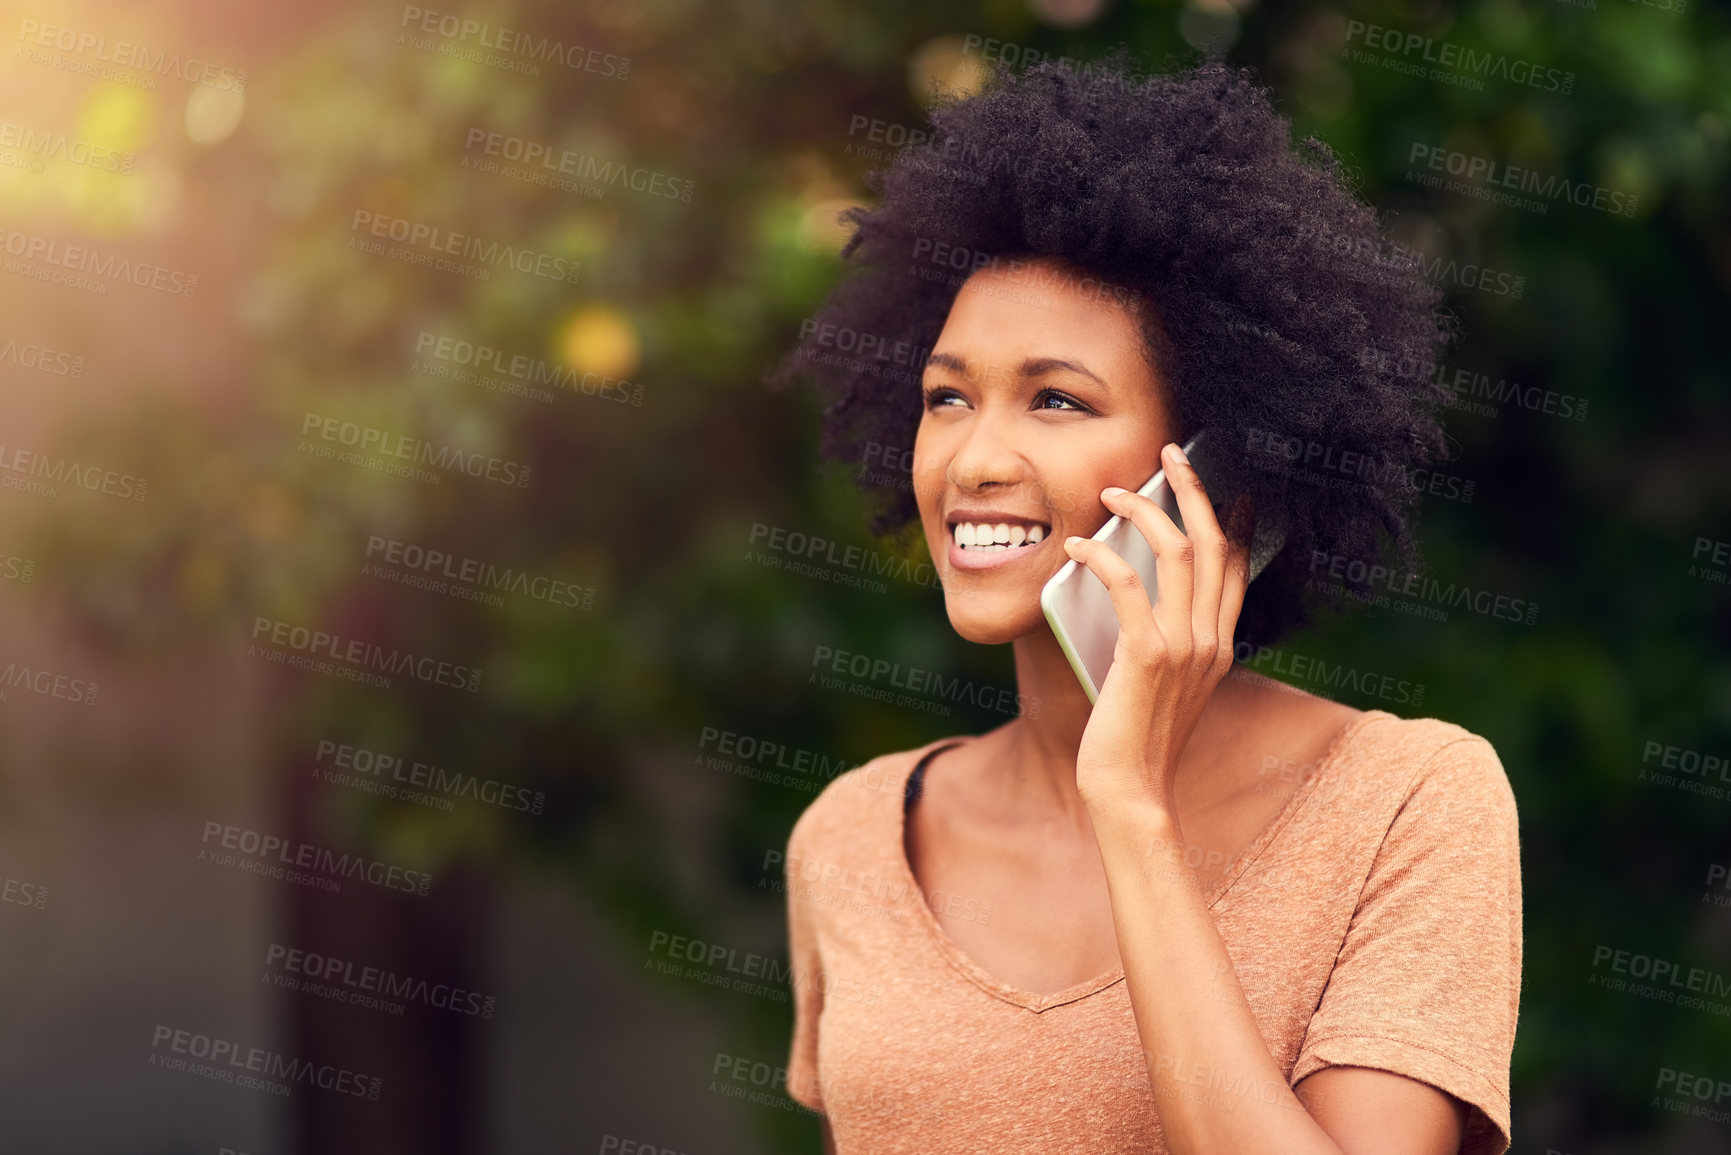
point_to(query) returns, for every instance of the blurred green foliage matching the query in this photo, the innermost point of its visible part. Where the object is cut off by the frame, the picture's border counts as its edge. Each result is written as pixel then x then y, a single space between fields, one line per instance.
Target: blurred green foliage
pixel 653 505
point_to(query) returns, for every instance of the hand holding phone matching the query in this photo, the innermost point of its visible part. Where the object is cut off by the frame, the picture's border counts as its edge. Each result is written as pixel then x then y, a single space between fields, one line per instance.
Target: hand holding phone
pixel 1077 604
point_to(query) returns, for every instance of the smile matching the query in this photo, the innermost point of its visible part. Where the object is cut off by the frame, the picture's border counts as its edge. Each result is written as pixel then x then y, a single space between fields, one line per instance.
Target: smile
pixel 989 538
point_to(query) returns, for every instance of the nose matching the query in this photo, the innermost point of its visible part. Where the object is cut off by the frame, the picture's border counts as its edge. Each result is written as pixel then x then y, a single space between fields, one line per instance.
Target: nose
pixel 988 455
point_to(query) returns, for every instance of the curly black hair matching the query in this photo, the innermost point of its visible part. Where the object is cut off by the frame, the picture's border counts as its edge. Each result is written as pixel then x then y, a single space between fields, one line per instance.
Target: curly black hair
pixel 1271 304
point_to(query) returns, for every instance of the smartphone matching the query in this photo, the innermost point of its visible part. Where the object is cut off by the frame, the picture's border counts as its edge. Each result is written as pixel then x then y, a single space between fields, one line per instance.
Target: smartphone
pixel 1077 604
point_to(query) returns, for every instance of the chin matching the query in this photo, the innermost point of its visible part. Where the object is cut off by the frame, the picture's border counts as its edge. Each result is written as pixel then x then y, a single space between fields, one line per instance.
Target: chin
pixel 995 620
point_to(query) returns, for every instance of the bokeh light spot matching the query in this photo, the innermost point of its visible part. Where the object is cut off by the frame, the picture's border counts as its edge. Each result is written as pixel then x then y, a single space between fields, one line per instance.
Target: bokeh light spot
pixel 945 65
pixel 212 114
pixel 600 339
pixel 118 117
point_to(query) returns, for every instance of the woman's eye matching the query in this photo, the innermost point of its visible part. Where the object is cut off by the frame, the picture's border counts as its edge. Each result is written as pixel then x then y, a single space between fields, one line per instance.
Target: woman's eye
pixel 937 397
pixel 1047 396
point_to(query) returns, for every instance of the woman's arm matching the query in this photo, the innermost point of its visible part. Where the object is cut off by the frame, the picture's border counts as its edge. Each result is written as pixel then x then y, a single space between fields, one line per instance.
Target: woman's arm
pixel 1219 1090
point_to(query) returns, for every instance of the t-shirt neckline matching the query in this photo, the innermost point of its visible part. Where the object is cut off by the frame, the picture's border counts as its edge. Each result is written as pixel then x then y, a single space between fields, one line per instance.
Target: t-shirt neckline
pixel 1028 1000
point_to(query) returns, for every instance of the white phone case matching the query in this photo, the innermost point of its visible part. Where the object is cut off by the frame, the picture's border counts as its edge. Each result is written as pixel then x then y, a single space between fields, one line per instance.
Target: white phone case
pixel 1077 604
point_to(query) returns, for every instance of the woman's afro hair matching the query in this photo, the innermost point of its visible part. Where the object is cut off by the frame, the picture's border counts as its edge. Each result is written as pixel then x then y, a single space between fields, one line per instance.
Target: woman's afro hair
pixel 1272 308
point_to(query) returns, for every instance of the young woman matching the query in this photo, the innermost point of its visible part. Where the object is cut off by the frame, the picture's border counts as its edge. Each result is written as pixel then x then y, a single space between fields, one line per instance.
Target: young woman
pixel 1209 914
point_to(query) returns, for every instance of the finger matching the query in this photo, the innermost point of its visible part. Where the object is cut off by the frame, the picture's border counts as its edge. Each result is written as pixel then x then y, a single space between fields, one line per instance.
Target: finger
pixel 1240 530
pixel 1207 540
pixel 1172 559
pixel 1129 592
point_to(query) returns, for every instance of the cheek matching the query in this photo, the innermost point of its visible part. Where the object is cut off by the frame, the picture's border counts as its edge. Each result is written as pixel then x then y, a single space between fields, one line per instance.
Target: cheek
pixel 1074 494
pixel 926 473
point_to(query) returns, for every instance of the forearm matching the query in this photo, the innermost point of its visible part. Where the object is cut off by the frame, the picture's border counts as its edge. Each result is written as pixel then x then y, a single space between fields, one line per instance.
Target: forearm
pixel 1219 1091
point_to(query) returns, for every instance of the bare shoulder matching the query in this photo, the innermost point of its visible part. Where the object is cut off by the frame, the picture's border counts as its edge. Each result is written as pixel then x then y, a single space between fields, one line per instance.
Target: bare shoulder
pixel 855 794
pixel 1428 777
pixel 1280 715
pixel 1273 720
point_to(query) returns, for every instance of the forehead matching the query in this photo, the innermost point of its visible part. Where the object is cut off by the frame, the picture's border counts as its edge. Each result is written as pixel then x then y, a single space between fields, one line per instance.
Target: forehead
pixel 1038 308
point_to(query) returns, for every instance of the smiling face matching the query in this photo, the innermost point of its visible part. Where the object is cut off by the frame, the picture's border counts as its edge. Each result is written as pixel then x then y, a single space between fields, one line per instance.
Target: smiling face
pixel 1036 399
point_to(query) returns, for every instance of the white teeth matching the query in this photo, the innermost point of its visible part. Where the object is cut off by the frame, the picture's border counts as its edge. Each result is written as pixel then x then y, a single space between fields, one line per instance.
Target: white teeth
pixel 990 538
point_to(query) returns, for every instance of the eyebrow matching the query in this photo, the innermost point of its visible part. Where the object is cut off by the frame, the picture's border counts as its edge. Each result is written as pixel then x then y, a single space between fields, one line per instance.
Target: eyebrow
pixel 1030 366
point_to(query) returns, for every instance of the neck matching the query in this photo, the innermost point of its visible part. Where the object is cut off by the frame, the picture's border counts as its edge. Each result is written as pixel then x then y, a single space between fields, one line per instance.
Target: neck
pixel 1040 761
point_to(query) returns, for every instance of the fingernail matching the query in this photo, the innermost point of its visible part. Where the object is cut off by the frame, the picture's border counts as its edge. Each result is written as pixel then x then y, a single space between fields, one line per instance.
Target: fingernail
pixel 1178 453
pixel 1072 540
pixel 1113 491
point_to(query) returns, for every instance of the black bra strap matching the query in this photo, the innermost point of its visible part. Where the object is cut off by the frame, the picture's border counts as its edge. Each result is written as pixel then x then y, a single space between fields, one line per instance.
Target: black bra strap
pixel 916 780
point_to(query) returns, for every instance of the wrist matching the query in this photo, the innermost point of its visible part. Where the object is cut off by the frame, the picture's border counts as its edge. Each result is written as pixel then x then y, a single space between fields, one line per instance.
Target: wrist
pixel 1138 814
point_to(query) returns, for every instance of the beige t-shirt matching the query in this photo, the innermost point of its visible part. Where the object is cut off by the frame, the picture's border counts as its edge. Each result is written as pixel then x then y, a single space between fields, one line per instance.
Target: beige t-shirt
pixel 1376 922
